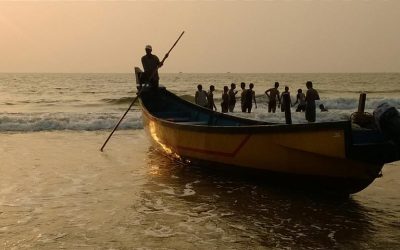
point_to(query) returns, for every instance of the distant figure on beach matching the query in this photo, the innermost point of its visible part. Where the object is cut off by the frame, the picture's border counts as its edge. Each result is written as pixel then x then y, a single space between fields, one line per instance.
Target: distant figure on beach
pixel 250 97
pixel 225 100
pixel 301 99
pixel 243 96
pixel 232 97
pixel 283 105
pixel 150 63
pixel 200 97
pixel 273 95
pixel 322 107
pixel 311 97
pixel 210 98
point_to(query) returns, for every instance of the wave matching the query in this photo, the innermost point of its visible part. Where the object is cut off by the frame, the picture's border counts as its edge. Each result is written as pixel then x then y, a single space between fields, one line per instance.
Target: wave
pixel 352 103
pixel 122 100
pixel 43 101
pixel 333 103
pixel 33 122
pixel 339 109
pixel 392 91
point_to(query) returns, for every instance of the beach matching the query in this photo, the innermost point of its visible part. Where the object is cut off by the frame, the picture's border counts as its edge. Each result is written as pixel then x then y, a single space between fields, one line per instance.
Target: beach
pixel 59 191
pixel 62 191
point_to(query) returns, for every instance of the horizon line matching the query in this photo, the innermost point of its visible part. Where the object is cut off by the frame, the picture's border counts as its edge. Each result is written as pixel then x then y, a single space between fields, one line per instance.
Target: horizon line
pixel 343 72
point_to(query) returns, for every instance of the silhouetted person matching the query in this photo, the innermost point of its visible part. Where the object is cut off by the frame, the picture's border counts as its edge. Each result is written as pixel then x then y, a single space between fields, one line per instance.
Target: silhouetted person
pixel 273 95
pixel 232 97
pixel 311 97
pixel 250 97
pixel 286 92
pixel 150 63
pixel 243 96
pixel 210 98
pixel 322 108
pixel 301 99
pixel 200 97
pixel 225 100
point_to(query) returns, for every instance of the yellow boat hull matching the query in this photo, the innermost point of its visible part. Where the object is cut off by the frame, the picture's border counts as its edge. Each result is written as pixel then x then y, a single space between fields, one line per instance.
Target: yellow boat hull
pixel 320 153
pixel 308 153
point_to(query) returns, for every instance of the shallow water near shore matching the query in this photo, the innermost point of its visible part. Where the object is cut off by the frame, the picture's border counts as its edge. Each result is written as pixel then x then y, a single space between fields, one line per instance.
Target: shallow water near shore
pixel 57 190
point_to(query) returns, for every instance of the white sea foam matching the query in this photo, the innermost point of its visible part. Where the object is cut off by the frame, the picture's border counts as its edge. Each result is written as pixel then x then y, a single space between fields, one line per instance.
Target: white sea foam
pixel 159 231
pixel 341 103
pixel 352 103
pixel 66 121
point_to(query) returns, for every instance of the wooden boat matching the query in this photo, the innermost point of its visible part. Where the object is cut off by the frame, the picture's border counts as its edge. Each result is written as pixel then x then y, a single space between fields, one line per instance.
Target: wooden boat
pixel 329 156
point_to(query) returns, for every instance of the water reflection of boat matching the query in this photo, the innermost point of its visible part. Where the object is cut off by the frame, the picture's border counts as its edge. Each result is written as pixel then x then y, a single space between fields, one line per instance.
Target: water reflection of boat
pixel 329 155
pixel 183 195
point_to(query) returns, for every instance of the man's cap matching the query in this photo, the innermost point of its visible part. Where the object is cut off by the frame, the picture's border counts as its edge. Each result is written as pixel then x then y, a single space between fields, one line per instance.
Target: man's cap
pixel 149 47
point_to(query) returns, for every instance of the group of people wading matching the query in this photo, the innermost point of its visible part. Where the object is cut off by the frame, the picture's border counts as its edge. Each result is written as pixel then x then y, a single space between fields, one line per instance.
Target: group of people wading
pixel 206 99
pixel 305 101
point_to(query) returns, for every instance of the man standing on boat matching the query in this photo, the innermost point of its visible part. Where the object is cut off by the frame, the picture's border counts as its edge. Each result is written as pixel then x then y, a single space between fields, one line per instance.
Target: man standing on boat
pixel 150 63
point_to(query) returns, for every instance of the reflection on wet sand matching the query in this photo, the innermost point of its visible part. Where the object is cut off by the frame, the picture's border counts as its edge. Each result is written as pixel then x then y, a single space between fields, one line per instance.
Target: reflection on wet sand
pixel 210 208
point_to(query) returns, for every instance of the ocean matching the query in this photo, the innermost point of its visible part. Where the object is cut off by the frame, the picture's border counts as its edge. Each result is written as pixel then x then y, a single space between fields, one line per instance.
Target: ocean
pixel 57 190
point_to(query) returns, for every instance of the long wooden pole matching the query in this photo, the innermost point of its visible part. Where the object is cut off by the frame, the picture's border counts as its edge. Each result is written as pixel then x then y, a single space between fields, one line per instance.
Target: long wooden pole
pixel 138 95
pixel 120 120
pixel 166 55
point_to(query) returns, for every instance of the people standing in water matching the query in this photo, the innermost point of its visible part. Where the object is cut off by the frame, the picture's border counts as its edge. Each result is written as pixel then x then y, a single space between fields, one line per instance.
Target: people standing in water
pixel 301 99
pixel 311 97
pixel 200 97
pixel 243 96
pixel 210 98
pixel 283 105
pixel 225 100
pixel 150 63
pixel 232 97
pixel 273 95
pixel 322 107
pixel 250 97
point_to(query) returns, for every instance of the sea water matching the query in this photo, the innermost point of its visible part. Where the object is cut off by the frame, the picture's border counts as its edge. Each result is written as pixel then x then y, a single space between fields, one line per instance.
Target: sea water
pixel 57 190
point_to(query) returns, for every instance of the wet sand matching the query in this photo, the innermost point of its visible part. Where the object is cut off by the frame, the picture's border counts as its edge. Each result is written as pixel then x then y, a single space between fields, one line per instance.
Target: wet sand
pixel 57 190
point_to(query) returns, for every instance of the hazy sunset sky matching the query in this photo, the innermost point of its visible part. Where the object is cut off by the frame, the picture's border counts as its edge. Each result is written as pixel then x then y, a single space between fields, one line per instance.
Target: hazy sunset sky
pixel 230 36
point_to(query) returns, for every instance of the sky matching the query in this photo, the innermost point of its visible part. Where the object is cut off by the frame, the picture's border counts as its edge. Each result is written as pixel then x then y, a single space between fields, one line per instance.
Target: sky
pixel 272 36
